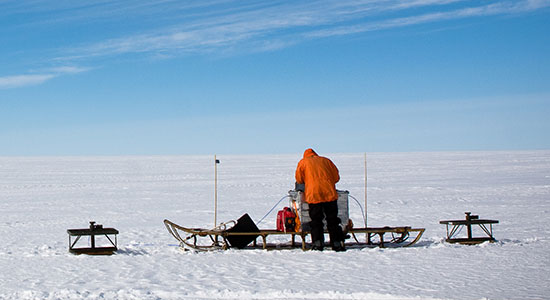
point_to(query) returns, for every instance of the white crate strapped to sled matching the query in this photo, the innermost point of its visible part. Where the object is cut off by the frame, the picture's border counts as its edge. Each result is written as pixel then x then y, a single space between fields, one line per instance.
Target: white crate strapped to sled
pixel 303 208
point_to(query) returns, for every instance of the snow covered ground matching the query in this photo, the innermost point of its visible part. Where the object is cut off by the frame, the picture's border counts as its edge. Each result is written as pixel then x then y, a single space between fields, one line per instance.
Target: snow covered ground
pixel 42 197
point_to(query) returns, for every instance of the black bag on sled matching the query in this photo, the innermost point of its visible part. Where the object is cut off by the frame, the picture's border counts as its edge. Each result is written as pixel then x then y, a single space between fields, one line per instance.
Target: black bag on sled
pixel 244 224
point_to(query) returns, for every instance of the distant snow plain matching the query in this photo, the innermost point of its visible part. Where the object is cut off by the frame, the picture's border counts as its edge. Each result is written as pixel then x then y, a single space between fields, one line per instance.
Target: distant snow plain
pixel 42 197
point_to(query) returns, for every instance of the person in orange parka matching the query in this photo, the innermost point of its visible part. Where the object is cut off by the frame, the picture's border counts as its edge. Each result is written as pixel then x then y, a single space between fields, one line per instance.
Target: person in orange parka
pixel 320 175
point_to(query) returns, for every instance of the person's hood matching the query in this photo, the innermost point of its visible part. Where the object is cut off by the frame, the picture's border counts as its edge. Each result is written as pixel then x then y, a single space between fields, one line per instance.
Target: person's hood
pixel 309 152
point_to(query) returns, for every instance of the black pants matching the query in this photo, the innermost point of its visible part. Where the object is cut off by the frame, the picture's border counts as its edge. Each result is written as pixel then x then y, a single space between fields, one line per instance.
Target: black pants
pixel 328 210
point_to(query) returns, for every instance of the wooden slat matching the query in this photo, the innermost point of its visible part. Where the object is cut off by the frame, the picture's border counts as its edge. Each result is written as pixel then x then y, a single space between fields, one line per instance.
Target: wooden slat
pixel 87 231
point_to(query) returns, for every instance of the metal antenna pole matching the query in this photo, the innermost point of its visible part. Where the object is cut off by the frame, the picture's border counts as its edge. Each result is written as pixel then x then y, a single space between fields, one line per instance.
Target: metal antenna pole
pixel 216 161
pixel 366 210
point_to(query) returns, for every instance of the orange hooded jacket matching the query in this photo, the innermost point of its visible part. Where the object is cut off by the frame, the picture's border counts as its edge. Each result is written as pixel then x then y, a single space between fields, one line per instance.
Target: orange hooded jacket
pixel 319 175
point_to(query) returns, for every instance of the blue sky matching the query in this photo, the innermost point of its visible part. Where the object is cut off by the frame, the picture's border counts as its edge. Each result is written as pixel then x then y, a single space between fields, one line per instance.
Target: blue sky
pixel 200 77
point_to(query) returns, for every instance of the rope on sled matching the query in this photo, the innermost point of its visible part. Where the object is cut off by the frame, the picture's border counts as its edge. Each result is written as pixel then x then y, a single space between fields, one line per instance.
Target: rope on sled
pixel 287 196
pixel 361 207
pixel 258 223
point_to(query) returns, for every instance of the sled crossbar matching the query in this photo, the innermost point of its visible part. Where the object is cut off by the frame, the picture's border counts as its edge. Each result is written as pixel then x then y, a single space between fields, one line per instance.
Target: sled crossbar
pixel 217 238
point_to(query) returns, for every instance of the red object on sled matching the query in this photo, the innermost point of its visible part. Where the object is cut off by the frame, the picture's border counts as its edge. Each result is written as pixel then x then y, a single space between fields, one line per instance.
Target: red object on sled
pixel 286 220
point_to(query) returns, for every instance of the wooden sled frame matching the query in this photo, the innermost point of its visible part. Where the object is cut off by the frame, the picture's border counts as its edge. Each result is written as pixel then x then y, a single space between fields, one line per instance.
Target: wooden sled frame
pixel 216 238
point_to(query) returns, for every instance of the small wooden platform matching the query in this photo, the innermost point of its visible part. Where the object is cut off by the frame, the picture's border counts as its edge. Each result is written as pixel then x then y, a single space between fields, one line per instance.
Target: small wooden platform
pixel 93 231
pixel 456 226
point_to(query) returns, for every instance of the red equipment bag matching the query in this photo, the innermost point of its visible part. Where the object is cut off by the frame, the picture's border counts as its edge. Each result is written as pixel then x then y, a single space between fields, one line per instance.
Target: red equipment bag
pixel 286 220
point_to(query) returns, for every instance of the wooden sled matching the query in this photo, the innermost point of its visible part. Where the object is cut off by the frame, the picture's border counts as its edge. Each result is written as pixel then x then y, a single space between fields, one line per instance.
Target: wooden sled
pixel 229 235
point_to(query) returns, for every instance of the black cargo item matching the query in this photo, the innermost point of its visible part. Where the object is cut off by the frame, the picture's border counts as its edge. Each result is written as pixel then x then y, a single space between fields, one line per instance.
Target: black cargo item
pixel 244 225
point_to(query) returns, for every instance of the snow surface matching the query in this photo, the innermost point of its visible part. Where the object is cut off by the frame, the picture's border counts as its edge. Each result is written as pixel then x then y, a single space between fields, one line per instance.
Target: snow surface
pixel 42 197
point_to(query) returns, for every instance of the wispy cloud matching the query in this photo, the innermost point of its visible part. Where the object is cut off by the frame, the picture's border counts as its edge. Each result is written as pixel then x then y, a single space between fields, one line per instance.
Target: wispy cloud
pixel 170 28
pixel 501 8
pixel 16 81
pixel 275 26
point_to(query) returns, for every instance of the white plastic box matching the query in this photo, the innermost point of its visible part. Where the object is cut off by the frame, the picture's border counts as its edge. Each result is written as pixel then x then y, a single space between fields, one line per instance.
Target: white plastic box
pixel 303 208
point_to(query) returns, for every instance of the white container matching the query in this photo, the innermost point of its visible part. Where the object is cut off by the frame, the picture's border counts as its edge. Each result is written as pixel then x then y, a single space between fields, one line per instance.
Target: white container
pixel 303 208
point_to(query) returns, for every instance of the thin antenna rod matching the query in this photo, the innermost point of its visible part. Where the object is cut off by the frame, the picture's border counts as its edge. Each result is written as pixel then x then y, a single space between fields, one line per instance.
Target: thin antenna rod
pixel 366 210
pixel 216 161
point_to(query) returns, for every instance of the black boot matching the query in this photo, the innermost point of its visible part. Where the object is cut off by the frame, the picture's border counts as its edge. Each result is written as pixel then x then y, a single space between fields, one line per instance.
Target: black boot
pixel 317 245
pixel 338 246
